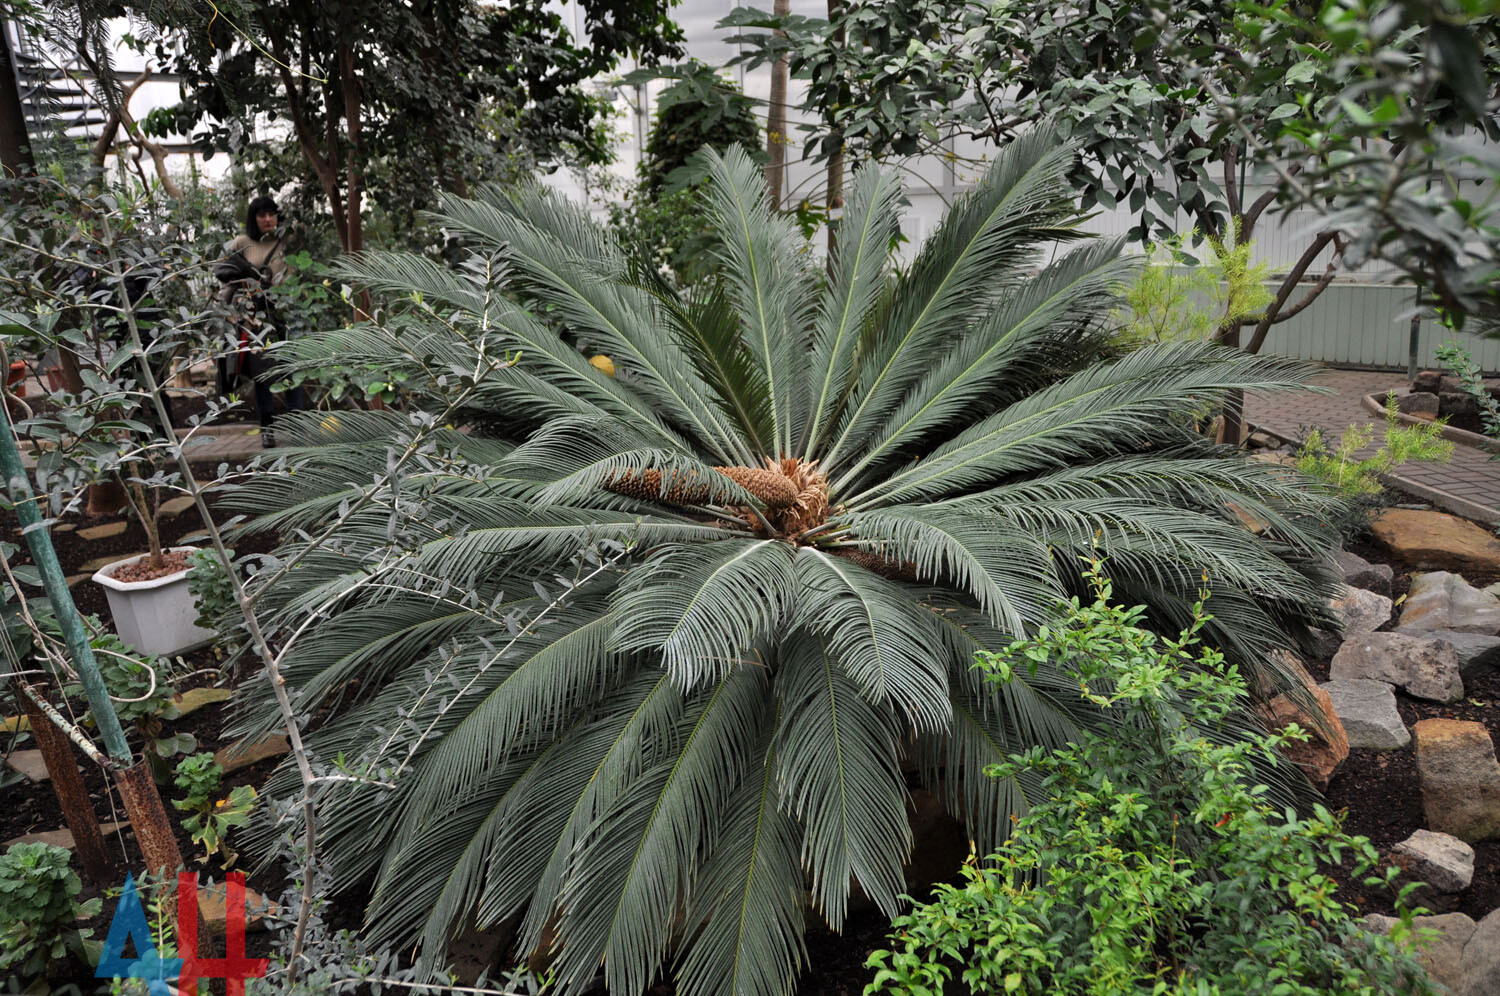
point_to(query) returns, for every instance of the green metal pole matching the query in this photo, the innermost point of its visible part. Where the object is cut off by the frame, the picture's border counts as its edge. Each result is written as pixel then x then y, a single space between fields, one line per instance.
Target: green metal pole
pixel 40 542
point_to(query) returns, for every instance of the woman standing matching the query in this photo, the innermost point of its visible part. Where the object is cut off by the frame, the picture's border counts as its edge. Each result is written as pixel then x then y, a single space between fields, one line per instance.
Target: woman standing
pixel 256 262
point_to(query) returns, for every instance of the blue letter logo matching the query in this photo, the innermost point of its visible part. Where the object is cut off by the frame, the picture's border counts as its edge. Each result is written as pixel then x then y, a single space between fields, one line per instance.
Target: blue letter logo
pixel 130 924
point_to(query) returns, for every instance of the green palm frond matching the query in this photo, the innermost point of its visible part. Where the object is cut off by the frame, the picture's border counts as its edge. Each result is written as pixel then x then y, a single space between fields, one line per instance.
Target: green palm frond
pixel 1061 305
pixel 577 270
pixel 878 631
pixel 855 282
pixel 650 657
pixel 767 282
pixel 1114 407
pixel 840 776
pixel 704 607
pixel 747 899
pixel 712 331
pixel 995 229
pixel 635 864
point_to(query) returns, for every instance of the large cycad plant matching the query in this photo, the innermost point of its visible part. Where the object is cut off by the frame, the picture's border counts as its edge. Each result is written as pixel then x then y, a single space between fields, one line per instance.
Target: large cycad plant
pixel 834 485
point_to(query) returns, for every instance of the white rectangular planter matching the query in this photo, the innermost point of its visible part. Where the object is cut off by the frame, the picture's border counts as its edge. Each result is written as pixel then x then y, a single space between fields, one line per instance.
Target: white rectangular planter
pixel 154 617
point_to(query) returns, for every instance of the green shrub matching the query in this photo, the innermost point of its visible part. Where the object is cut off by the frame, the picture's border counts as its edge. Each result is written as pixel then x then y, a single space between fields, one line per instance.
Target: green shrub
pixel 142 694
pixel 211 818
pixel 1148 862
pixel 212 591
pixel 38 907
pixel 1169 301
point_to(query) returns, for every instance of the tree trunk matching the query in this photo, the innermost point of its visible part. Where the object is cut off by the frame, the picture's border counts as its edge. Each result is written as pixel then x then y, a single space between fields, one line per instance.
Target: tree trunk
pixel 776 140
pixel 354 181
pixel 835 199
pixel 15 144
pixel 325 169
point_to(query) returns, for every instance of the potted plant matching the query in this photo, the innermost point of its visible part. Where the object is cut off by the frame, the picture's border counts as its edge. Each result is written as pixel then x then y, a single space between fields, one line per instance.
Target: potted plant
pixel 149 597
pixel 118 273
pixel 154 612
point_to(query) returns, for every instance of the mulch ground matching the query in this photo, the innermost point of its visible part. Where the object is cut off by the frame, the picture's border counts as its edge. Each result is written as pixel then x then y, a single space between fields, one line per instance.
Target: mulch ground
pixel 1376 791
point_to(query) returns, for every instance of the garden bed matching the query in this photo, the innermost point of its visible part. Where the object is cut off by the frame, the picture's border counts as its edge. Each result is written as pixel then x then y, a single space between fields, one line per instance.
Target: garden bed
pixel 1377 790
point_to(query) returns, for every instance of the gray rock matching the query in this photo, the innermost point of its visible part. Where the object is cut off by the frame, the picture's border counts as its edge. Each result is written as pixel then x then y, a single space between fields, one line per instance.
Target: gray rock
pixel 1460 778
pixel 1458 404
pixel 1441 600
pixel 1368 711
pixel 1360 573
pixel 1477 652
pixel 1481 959
pixel 28 763
pixel 1430 381
pixel 1425 667
pixel 1420 404
pixel 1361 611
pixel 1438 943
pixel 1442 861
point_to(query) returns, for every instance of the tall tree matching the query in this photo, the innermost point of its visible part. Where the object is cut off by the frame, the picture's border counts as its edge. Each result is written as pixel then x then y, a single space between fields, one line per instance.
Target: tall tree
pixel 400 101
pixel 1181 106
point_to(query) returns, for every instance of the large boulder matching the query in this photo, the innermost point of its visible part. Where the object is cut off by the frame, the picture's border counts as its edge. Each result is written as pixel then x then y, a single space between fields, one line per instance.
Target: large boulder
pixel 1460 778
pixel 1477 653
pixel 1419 404
pixel 1367 709
pixel 1361 611
pixel 1360 573
pixel 1436 541
pixel 1439 859
pixel 1438 943
pixel 1326 746
pixel 1425 667
pixel 1443 600
pixel 1481 959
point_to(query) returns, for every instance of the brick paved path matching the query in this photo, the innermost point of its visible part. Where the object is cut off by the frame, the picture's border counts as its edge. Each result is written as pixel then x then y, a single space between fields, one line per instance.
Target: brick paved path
pixel 1469 484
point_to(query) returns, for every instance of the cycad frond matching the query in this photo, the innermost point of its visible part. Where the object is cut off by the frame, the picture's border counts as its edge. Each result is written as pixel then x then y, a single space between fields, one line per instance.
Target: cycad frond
pixel 567 262
pixel 840 777
pixel 1032 326
pixel 706 607
pixel 1116 407
pixel 747 900
pixel 635 864
pixel 855 282
pixel 768 284
pixel 994 230
pixel 879 632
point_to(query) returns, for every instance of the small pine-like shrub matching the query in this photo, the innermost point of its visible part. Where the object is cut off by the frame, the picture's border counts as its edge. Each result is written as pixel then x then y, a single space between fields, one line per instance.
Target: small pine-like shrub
pixel 1358 477
pixel 1149 862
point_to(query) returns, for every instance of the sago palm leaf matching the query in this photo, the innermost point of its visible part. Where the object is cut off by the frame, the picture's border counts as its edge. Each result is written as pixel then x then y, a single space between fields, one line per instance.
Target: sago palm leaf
pixel 649 655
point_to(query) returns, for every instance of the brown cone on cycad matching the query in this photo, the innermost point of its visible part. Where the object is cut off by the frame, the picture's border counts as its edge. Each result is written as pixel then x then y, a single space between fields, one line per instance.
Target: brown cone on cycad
pixel 774 490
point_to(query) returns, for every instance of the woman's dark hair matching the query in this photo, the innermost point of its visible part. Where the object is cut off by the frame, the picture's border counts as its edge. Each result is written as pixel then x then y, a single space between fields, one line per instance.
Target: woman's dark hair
pixel 258 206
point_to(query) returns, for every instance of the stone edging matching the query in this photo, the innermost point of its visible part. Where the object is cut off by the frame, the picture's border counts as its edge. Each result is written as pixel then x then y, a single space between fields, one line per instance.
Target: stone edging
pixel 1376 404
